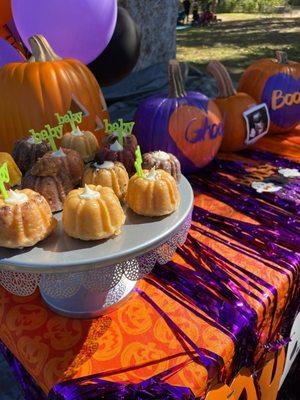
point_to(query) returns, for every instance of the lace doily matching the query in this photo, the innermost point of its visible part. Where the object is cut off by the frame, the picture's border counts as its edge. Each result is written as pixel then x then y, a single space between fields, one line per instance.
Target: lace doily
pixel 66 285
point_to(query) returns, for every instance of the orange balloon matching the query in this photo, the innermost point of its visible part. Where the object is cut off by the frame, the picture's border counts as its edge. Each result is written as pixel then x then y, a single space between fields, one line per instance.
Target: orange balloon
pixel 5 12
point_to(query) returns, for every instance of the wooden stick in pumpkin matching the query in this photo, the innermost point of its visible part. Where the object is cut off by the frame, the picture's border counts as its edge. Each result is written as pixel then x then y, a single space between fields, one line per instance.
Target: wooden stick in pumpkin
pixel 232 105
pixel 223 80
pixel 176 84
pixel 41 49
pixel 282 57
pixel 4 178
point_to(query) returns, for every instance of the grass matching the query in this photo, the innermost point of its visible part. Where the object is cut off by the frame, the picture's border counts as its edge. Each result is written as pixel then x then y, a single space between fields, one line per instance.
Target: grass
pixel 239 39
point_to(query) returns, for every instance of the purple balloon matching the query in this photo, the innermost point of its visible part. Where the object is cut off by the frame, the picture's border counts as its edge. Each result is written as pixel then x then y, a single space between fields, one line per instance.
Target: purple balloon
pixel 8 54
pixel 78 29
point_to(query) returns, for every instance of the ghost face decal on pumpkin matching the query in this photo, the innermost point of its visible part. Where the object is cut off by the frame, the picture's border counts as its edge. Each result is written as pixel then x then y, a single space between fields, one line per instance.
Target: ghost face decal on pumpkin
pixel 198 133
pixel 186 124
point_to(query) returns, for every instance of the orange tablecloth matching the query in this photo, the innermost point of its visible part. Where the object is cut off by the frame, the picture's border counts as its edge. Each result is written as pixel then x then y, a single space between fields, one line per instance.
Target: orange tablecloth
pixel 134 342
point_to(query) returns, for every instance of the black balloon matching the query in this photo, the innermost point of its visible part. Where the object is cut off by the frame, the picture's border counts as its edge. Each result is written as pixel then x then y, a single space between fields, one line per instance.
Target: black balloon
pixel 122 53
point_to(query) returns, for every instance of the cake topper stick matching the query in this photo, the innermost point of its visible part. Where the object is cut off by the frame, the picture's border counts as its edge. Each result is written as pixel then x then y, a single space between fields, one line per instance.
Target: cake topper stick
pixel 73 125
pixel 121 137
pixel 4 178
pixel 74 119
pixel 52 143
pixel 138 162
pixel 45 134
pixel 72 122
pixel 120 128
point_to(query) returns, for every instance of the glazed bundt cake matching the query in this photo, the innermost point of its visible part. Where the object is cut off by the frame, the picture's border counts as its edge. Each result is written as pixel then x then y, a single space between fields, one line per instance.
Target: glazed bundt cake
pixel 25 219
pixel 108 174
pixel 84 142
pixel 92 213
pixel 15 174
pixel 155 194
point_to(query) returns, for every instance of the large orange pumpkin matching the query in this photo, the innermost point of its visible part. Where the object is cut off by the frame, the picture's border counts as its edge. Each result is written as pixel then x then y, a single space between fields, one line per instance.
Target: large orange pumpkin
pixel 275 82
pixel 32 92
pixel 232 105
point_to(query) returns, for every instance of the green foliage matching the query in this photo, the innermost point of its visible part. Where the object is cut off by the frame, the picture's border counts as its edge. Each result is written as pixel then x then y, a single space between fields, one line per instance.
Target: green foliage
pixel 248 5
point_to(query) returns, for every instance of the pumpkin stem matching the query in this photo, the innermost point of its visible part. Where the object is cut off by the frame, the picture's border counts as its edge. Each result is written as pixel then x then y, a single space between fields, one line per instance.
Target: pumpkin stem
pixel 282 57
pixel 224 82
pixel 176 85
pixel 41 50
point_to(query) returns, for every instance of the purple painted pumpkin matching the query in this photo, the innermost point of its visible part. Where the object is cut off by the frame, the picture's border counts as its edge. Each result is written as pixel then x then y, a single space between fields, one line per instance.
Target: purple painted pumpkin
pixel 186 124
pixel 276 83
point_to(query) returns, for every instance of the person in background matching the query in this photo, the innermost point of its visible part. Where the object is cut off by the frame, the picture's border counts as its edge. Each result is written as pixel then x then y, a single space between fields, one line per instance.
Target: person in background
pixel 187 7
pixel 196 16
pixel 181 14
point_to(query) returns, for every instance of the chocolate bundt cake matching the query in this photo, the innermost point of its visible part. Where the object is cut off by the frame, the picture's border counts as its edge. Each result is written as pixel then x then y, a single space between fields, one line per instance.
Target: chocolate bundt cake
pixel 165 161
pixel 26 152
pixel 53 188
pixel 113 151
pixel 66 160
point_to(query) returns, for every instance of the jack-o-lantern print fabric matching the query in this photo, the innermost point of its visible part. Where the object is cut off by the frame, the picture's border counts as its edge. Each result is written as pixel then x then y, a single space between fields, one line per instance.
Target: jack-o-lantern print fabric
pixel 134 342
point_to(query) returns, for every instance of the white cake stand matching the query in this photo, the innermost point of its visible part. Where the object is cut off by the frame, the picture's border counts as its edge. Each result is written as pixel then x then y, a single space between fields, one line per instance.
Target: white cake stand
pixel 86 279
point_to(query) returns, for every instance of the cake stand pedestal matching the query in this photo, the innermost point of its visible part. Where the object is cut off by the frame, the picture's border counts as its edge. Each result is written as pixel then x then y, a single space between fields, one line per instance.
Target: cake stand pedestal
pixel 87 279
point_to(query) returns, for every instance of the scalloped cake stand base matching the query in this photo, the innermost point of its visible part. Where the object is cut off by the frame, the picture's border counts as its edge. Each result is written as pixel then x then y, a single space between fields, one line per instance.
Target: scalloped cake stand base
pixel 91 304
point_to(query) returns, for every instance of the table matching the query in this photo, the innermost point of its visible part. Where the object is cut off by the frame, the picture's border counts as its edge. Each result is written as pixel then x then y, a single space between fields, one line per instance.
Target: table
pixel 159 330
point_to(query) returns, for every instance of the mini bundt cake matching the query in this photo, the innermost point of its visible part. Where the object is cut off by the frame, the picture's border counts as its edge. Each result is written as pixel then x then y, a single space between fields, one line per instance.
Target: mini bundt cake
pixel 25 219
pixel 153 195
pixel 54 188
pixel 64 160
pixel 112 150
pixel 26 152
pixel 165 161
pixel 108 174
pixel 92 213
pixel 84 142
pixel 15 174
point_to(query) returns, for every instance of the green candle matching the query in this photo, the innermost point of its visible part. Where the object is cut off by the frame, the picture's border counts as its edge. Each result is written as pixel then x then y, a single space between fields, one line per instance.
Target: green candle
pixel 138 162
pixel 4 178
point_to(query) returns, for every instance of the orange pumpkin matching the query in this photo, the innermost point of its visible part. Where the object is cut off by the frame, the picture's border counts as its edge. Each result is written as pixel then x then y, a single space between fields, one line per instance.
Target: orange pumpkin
pixel 5 14
pixel 32 92
pixel 232 105
pixel 275 82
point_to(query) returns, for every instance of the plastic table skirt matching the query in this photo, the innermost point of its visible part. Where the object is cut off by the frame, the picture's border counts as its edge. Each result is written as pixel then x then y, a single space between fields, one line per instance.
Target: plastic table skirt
pixel 134 342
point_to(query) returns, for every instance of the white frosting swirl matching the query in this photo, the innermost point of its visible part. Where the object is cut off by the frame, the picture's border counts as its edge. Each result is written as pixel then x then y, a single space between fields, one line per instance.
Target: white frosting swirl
pixel 31 140
pixel 58 153
pixel 105 165
pixel 89 194
pixel 152 175
pixel 161 155
pixel 16 198
pixel 77 132
pixel 116 146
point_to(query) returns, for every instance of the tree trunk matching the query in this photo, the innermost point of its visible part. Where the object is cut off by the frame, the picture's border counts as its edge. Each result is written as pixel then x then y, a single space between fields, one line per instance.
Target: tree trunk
pixel 156 20
pixel 214 4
